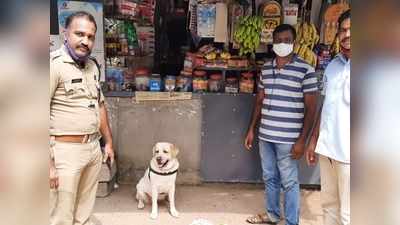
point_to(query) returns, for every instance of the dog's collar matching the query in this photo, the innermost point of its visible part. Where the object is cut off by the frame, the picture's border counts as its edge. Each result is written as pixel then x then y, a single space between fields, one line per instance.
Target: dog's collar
pixel 162 174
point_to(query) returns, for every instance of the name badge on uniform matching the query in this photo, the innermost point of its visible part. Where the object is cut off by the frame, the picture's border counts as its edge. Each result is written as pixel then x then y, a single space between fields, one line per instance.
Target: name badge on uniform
pixel 78 80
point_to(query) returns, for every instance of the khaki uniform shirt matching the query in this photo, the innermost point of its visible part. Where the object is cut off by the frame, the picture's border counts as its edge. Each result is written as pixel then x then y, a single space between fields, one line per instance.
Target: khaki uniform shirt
pixel 74 91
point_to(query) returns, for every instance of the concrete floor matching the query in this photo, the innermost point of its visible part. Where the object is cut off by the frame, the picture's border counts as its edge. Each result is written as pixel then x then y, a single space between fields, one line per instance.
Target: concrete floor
pixel 228 204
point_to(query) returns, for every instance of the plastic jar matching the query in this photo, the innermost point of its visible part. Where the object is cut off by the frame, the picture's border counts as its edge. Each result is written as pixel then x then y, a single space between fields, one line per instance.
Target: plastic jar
pixel 246 83
pixel 142 83
pixel 200 83
pixel 169 83
pixel 142 79
pixel 155 82
pixel 231 85
pixel 215 83
pixel 184 82
pixel 129 80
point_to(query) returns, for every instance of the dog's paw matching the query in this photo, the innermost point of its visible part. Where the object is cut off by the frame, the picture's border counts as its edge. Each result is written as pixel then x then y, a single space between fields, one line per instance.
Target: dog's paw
pixel 174 213
pixel 153 216
pixel 140 205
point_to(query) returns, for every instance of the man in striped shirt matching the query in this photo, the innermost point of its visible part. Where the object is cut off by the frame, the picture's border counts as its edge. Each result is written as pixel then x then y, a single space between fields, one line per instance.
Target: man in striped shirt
pixel 286 105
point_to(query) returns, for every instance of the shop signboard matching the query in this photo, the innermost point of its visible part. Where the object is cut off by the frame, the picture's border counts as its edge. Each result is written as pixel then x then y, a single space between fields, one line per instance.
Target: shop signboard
pixel 272 15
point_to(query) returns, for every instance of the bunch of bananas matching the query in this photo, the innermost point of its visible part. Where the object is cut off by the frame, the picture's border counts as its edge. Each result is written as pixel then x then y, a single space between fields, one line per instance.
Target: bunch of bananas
pixel 307 34
pixel 211 55
pixel 335 47
pixel 307 38
pixel 307 54
pixel 225 55
pixel 247 33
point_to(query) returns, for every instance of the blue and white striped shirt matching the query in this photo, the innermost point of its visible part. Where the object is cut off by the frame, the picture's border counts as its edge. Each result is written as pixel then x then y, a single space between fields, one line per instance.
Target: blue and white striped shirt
pixel 282 113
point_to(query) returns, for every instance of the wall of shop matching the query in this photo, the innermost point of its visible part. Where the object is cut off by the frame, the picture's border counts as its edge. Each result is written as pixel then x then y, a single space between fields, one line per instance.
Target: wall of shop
pixel 137 127
pixel 209 130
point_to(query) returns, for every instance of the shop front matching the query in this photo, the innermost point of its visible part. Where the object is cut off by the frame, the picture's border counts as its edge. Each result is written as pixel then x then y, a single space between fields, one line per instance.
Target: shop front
pixel 209 129
pixel 186 72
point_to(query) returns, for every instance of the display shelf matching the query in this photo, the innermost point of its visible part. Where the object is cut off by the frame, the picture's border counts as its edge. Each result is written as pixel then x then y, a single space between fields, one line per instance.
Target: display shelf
pixel 224 70
pixel 142 24
pixel 130 94
pixel 252 68
pixel 122 55
pixel 140 21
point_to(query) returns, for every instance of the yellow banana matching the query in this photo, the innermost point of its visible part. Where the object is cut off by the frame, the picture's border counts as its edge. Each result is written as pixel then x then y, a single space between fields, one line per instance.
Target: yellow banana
pixel 302 51
pixel 307 55
pixel 296 48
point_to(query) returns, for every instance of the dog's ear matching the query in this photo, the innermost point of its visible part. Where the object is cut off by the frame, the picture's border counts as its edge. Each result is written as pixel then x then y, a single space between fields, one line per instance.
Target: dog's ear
pixel 174 150
pixel 154 149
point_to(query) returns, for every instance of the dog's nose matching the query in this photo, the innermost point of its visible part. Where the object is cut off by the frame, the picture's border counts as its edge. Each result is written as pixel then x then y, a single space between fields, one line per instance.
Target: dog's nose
pixel 158 158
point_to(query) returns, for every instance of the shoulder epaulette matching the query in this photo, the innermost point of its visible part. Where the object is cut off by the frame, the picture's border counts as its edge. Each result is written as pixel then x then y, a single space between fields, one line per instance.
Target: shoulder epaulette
pixel 55 54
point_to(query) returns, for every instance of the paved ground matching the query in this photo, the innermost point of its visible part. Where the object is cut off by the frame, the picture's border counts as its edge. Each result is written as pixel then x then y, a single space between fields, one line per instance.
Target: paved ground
pixel 226 204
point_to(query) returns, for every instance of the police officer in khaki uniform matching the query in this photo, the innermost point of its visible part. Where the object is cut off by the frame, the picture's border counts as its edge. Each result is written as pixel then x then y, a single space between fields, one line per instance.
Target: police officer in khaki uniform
pixel 78 118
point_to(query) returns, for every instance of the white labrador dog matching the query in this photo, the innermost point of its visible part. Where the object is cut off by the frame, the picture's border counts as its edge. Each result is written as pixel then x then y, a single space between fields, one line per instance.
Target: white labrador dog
pixel 158 182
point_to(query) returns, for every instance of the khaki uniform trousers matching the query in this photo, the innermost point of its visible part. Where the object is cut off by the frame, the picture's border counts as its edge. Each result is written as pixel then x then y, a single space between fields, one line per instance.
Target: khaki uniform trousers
pixel 335 191
pixel 78 166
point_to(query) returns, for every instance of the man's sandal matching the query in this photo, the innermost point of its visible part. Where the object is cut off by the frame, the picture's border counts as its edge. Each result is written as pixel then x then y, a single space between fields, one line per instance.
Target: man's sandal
pixel 260 219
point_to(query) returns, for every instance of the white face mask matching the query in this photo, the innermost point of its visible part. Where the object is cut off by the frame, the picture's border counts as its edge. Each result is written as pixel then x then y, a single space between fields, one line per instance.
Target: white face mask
pixel 282 49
